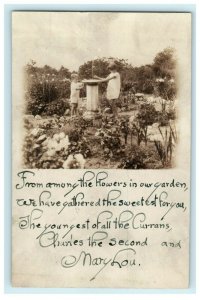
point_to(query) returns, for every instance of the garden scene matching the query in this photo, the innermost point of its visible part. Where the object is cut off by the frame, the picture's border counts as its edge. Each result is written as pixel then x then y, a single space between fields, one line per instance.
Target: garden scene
pixel 142 136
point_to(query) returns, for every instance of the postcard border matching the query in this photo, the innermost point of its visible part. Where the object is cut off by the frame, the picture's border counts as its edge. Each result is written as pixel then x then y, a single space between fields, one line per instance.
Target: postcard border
pixel 8 289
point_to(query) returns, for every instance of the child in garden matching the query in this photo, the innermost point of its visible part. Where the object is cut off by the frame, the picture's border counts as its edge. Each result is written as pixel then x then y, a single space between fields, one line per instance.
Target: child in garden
pixel 113 88
pixel 75 93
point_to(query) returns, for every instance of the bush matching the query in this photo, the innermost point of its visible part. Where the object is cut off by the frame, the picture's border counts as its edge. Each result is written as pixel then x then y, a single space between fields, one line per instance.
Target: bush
pixel 134 159
pixel 138 157
pixel 164 117
pixel 171 113
pixel 110 141
pixel 78 142
pixel 34 106
pixel 80 146
pixel 165 89
pixel 45 90
pixel 57 107
pixel 147 116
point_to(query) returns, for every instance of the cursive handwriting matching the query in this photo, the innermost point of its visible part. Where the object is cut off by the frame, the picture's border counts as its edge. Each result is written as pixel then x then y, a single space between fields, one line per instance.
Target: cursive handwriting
pixel 123 258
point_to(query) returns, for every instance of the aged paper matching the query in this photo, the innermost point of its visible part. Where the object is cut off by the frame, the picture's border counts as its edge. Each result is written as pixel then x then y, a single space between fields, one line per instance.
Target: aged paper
pixel 101 108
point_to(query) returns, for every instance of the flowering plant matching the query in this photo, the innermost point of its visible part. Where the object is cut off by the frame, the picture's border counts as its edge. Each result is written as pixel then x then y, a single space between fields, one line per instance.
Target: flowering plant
pixel 74 161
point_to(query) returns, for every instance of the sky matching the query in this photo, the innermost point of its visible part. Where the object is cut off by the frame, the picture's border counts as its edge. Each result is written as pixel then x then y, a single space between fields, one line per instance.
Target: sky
pixel 71 39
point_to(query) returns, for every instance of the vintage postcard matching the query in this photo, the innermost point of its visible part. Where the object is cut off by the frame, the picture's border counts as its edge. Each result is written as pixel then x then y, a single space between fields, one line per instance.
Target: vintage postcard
pixel 101 113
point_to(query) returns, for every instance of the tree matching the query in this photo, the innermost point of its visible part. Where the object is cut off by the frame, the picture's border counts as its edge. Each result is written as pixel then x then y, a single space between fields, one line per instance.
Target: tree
pixel 165 64
pixel 99 66
pixel 138 79
pixel 165 70
pixel 64 72
pixel 48 70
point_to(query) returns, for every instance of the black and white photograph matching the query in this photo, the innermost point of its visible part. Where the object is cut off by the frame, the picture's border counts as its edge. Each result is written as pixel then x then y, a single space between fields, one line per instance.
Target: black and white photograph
pixel 101 138
pixel 100 89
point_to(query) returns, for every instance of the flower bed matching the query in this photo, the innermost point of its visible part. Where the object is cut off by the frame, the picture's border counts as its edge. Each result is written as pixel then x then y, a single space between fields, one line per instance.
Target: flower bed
pixel 129 142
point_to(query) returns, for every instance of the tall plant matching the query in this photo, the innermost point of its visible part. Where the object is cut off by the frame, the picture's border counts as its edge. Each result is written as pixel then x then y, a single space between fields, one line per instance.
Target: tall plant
pixel 166 146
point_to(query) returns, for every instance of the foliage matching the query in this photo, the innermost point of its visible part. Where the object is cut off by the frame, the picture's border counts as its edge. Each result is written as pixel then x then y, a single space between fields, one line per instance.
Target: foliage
pixel 165 89
pixel 76 127
pixel 140 157
pixel 100 68
pixel 164 116
pixel 171 113
pixel 165 64
pixel 143 78
pixel 124 128
pixel 62 142
pixel 78 142
pixel 166 147
pixel 134 159
pixel 44 86
pixel 43 148
pixel 75 161
pixel 97 66
pixel 137 131
pixel 110 141
pixel 81 147
pixel 138 79
pixel 164 68
pixel 56 107
pixel 147 115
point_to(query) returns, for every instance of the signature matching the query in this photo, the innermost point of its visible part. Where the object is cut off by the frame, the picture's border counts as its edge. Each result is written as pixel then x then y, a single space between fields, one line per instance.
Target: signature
pixel 123 258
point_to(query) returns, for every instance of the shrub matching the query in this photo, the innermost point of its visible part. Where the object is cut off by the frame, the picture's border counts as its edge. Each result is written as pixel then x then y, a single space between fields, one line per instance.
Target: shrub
pixel 164 117
pixel 147 116
pixel 57 107
pixel 81 147
pixel 134 159
pixel 110 141
pixel 165 89
pixel 140 157
pixel 34 106
pixel 78 143
pixel 45 86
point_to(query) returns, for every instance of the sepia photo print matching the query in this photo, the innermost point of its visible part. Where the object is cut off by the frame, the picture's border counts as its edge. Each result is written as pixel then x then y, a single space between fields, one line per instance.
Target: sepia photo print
pixel 101 137
pixel 102 95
